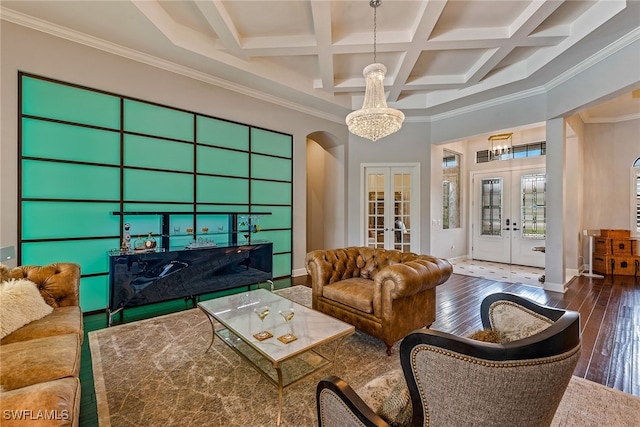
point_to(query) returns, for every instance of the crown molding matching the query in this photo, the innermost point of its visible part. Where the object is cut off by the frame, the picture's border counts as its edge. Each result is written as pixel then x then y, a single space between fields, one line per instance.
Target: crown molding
pixel 517 96
pixel 595 120
pixel 115 49
pixel 618 45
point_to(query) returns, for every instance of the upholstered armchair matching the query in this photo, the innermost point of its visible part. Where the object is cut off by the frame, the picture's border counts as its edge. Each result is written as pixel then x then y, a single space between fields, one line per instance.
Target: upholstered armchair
pixel 384 293
pixel 449 380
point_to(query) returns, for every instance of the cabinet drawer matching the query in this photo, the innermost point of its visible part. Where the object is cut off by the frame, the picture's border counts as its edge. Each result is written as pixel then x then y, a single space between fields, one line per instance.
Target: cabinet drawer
pixel 626 265
pixel 601 264
pixel 615 234
pixel 602 245
pixel 622 247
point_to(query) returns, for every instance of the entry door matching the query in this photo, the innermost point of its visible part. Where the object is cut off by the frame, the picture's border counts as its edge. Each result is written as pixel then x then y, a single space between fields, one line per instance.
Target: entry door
pixel 509 217
pixel 391 208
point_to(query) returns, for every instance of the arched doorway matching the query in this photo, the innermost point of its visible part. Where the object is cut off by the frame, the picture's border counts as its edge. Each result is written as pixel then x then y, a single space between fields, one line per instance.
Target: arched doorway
pixel 326 191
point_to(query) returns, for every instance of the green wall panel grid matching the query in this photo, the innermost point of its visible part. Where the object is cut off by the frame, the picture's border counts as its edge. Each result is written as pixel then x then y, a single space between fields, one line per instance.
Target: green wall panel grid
pixel 267 142
pixel 222 162
pixel 92 255
pixel 281 265
pixel 157 186
pixel 67 142
pixel 94 293
pixel 54 180
pixel 267 192
pixel 222 133
pixel 280 216
pixel 150 119
pixel 222 208
pixel 157 153
pixel 55 220
pixel 214 189
pixel 63 102
pixel 281 239
pixel 223 150
pixel 157 207
pixel 271 167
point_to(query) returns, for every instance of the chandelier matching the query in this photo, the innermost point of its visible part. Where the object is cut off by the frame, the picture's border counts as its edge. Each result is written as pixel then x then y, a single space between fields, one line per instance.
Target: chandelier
pixel 374 120
pixel 501 145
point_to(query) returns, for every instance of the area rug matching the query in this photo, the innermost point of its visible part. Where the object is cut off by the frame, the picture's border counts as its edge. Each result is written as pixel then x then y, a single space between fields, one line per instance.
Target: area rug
pixel 156 372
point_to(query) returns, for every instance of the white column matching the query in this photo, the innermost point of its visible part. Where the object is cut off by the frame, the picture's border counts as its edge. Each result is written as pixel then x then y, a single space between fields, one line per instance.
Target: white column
pixel 554 254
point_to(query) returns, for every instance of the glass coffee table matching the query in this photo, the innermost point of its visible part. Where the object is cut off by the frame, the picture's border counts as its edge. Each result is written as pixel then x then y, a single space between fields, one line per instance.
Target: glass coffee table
pixel 281 359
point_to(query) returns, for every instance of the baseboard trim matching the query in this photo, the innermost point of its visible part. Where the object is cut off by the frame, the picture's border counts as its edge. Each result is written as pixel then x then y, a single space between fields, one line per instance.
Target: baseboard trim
pixel 299 272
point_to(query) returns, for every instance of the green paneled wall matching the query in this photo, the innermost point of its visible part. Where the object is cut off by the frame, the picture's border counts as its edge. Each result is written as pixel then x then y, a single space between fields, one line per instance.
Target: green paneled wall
pixel 55 180
pixel 43 98
pixel 223 134
pixel 223 162
pixel 79 162
pixel 150 119
pixel 157 153
pixel 66 142
pixel 72 219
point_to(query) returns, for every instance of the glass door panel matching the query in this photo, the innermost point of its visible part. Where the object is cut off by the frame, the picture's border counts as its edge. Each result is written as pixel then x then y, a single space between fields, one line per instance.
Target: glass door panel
pixel 491 207
pixel 391 211
pixel 402 211
pixel 375 210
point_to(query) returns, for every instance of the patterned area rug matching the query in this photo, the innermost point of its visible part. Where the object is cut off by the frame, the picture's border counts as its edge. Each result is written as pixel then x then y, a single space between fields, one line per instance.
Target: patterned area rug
pixel 156 372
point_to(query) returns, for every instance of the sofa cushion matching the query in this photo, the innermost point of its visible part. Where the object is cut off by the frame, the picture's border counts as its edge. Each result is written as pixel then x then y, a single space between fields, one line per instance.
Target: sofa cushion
pixel 39 360
pixel 20 303
pixel 356 293
pixel 63 320
pixel 60 399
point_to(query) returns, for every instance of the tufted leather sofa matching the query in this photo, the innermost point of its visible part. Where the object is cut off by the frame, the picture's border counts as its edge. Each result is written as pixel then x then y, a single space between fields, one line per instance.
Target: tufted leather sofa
pixel 384 293
pixel 41 360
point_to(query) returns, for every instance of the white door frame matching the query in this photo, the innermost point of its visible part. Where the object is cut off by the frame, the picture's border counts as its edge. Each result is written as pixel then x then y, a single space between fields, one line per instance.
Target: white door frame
pixel 473 208
pixel 415 200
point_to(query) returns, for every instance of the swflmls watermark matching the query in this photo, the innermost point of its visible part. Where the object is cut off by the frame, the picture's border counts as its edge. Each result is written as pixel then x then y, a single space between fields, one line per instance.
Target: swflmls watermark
pixel 39 415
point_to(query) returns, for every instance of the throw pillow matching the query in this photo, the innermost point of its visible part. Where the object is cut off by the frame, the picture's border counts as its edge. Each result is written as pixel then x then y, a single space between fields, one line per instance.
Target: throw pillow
pixel 396 408
pixel 20 303
pixel 488 335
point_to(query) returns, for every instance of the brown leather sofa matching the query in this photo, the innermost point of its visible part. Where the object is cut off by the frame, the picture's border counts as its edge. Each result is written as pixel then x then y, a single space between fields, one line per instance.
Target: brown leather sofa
pixel 384 293
pixel 40 362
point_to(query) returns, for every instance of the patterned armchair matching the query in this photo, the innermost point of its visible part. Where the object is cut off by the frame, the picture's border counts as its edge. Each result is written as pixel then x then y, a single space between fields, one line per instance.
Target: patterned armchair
pixel 449 380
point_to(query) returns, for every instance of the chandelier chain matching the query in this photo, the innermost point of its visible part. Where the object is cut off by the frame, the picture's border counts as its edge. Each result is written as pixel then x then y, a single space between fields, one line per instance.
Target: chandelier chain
pixel 375 27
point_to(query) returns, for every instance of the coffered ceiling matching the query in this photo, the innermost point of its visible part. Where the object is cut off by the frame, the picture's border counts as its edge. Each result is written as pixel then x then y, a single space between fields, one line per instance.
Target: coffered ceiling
pixel 309 54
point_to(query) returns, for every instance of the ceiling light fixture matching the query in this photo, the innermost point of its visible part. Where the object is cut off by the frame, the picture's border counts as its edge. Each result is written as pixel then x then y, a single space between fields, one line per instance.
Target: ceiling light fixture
pixel 501 146
pixel 374 120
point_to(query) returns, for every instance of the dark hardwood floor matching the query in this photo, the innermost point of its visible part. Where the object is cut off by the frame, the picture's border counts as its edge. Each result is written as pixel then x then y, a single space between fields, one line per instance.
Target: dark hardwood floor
pixel 609 316
pixel 609 319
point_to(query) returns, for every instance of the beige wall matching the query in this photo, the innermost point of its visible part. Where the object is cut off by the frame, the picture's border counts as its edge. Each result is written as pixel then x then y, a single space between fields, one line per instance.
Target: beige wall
pixel 35 52
pixel 609 152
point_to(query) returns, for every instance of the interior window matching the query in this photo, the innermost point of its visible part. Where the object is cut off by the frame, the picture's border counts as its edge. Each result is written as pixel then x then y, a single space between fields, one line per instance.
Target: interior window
pixel 450 189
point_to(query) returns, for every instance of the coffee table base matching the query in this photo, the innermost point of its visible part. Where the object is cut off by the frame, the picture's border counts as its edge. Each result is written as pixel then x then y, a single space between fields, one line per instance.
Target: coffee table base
pixel 281 375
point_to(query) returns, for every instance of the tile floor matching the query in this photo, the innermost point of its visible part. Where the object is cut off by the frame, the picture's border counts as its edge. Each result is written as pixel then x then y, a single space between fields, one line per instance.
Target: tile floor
pixel 500 272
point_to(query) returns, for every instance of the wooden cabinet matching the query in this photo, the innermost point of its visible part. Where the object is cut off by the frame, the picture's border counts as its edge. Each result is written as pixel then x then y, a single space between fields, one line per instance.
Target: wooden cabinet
pixel 616 253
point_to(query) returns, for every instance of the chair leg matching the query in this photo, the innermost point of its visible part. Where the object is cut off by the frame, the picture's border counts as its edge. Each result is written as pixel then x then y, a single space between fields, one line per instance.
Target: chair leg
pixel 389 349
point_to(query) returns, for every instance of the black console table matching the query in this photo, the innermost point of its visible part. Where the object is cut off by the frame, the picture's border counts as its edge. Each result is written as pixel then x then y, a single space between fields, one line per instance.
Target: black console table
pixel 142 278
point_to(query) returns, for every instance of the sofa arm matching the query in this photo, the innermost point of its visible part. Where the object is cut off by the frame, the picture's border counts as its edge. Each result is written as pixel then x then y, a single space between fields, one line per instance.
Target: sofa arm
pixel 409 278
pixel 59 283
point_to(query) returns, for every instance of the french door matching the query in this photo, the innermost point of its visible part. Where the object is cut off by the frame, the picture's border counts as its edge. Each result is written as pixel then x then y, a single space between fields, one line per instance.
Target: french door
pixel 391 207
pixel 509 216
